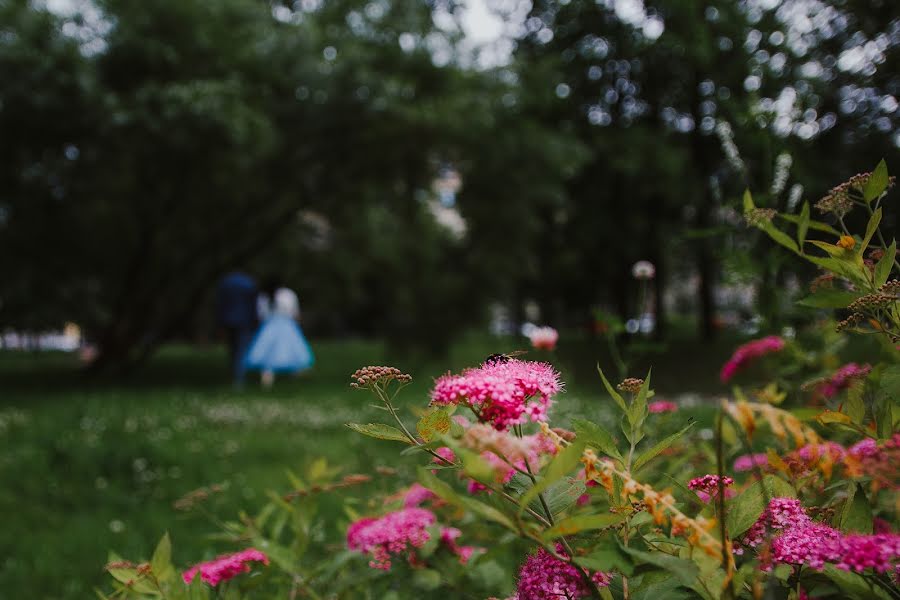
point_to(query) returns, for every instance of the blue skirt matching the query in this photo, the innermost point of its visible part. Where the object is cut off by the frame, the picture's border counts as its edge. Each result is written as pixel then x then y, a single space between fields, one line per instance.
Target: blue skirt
pixel 279 346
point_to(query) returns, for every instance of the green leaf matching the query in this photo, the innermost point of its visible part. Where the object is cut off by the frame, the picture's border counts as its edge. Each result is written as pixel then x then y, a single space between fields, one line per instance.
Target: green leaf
pixel 856 514
pixel 874 221
pixel 581 523
pixel 884 266
pixel 877 182
pixel 637 412
pixel 562 494
pixel 659 585
pixel 447 493
pixel 594 435
pixel 745 509
pixel 829 299
pixel 609 557
pixel 890 382
pixel 780 237
pixel 855 407
pixel 612 391
pixel 684 570
pixel 426 579
pixel 855 586
pixel 380 431
pixel 885 419
pixel 436 422
pixel 649 454
pixel 561 465
pixel 813 224
pixel 161 563
pixel 748 201
pixel 803 225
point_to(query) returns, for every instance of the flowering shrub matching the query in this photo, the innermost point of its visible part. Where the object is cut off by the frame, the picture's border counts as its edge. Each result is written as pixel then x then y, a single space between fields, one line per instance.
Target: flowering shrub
pixel 767 499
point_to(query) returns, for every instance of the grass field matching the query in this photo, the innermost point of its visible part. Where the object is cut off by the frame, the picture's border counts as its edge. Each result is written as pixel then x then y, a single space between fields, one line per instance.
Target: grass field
pixel 89 467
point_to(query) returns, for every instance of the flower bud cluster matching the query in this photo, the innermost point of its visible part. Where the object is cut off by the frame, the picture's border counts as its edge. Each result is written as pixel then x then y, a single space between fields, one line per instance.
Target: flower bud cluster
pixel 371 375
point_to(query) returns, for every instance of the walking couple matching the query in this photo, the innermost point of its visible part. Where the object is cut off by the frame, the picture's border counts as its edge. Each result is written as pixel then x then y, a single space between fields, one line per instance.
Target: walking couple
pixel 262 330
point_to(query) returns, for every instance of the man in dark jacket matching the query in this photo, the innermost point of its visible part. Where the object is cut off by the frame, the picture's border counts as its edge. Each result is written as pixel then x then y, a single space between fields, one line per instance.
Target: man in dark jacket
pixel 236 313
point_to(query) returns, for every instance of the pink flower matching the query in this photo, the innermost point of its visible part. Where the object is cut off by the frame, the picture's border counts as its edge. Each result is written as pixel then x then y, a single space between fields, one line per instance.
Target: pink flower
pixel 446 453
pixel 781 513
pixel 662 406
pixel 748 353
pixel 449 535
pixel 225 566
pixel 416 495
pixel 707 486
pixel 543 577
pixel 394 533
pixel 503 393
pixel 747 462
pixel 543 338
pixel 842 378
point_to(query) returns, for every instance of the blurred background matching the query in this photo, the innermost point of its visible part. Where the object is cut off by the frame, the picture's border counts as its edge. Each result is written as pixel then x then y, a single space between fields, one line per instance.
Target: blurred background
pixel 427 175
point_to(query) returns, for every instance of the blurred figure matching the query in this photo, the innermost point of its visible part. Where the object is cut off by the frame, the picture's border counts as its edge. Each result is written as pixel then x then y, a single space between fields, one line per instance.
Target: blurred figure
pixel 279 345
pixel 236 313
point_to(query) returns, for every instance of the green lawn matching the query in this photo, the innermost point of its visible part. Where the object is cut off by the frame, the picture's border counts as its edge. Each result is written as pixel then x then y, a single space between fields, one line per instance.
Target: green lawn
pixel 89 467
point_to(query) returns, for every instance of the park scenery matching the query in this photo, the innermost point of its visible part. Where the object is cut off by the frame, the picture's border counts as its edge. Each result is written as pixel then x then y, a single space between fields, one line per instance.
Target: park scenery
pixel 477 300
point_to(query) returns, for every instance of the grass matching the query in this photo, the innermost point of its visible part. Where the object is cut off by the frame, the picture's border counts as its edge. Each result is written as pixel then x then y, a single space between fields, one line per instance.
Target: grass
pixel 90 467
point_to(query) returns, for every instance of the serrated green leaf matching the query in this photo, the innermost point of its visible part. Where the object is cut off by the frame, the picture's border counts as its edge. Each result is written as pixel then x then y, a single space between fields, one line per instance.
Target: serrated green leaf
pixel 885 264
pixel 561 465
pixel 436 422
pixel 829 299
pixel 745 509
pixel 874 221
pixel 684 570
pixel 561 495
pixel 856 514
pixel 594 435
pixel 877 183
pixel 612 391
pixel 803 225
pixel 661 445
pixel 580 523
pixel 380 431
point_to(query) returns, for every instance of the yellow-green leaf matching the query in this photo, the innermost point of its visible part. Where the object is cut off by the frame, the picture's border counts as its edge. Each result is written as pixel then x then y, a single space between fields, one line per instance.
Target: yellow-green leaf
pixel 380 431
pixel 877 183
pixel 581 523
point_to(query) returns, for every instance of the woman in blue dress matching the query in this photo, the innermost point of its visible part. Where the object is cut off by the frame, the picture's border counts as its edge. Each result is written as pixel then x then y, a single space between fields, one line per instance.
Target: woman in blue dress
pixel 279 345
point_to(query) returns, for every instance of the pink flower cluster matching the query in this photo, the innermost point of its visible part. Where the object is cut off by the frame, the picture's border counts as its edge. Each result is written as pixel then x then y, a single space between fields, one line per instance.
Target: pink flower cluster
pixel 662 406
pixel 543 576
pixel 225 567
pixel 749 352
pixel 802 541
pixel 881 462
pixel 399 532
pixel 707 486
pixel 393 533
pixel 747 462
pixel 503 393
pixel 842 378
